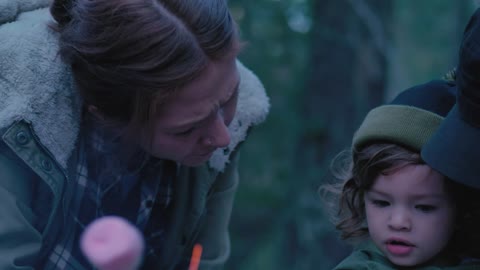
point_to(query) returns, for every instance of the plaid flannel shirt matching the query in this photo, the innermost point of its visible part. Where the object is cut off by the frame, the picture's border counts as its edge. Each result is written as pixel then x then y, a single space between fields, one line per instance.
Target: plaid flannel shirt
pixel 109 184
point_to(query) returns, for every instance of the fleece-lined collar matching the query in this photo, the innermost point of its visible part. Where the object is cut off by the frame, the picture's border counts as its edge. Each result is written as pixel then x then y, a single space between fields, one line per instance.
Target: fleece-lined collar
pixel 36 86
pixel 10 9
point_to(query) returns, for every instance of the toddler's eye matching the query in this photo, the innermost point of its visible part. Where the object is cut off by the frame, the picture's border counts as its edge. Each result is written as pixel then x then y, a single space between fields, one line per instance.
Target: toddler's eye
pixel 425 207
pixel 380 203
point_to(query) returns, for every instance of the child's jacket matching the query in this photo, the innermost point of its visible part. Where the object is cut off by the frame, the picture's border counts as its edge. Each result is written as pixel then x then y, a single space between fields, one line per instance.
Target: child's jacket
pixel 368 256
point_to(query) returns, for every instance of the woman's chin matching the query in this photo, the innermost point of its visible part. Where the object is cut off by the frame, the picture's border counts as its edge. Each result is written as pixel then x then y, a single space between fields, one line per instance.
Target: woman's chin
pixel 196 160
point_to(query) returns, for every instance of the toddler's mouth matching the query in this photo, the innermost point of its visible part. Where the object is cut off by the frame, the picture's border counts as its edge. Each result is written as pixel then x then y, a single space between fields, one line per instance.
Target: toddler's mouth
pixel 399 247
pixel 399 242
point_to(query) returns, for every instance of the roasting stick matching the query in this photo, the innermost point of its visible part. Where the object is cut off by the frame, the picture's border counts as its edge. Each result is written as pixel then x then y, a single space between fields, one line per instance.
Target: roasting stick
pixel 196 254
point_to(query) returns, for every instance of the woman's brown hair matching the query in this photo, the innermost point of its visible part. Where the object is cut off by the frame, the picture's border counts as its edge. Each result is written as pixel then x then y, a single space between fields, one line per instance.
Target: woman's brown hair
pixel 128 56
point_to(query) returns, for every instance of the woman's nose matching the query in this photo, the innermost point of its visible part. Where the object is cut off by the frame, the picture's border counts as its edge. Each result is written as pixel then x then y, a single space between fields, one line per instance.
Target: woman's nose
pixel 218 135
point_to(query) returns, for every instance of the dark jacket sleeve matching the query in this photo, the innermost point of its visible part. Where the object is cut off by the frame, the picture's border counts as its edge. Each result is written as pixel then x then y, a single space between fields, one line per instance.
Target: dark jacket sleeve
pixel 20 242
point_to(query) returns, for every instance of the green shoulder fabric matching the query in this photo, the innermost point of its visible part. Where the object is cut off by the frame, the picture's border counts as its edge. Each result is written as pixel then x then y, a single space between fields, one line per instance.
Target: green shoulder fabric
pixel 368 257
pixel 20 241
pixel 213 231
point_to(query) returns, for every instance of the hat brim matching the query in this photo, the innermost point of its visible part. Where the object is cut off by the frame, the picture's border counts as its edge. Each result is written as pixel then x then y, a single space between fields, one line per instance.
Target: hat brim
pixel 454 150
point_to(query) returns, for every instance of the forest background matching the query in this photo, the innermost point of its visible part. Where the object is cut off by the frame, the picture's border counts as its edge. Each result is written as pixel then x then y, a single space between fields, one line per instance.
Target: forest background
pixel 325 64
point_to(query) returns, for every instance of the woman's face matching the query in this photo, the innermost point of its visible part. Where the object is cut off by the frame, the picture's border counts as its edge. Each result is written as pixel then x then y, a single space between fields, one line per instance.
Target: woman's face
pixel 194 122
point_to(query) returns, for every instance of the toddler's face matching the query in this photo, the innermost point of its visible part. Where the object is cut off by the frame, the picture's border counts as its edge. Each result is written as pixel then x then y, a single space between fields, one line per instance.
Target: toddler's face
pixel 410 216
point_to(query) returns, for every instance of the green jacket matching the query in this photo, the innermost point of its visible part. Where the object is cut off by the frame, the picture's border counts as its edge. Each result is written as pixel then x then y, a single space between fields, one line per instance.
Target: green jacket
pixel 368 257
pixel 39 125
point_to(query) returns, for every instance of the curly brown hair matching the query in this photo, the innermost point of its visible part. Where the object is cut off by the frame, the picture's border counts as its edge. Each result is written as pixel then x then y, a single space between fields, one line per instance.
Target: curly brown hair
pixel 357 170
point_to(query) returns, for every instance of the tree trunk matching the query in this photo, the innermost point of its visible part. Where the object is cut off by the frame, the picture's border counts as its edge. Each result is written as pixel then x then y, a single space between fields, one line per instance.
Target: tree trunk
pixel 347 71
pixel 347 78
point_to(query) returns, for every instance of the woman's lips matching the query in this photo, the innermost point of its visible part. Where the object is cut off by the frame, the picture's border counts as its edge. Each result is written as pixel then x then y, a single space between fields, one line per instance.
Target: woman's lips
pixel 205 154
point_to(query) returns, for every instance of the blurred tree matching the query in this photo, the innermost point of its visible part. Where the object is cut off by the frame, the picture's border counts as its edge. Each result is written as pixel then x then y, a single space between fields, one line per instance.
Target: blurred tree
pixel 347 71
pixel 347 77
pixel 324 65
pixel 426 39
pixel 277 49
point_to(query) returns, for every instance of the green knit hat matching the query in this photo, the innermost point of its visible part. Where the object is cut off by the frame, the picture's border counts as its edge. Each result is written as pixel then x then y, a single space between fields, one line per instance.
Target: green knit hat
pixel 410 119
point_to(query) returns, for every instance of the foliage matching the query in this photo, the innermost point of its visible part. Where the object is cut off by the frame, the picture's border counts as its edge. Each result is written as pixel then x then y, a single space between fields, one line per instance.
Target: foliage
pixel 278 222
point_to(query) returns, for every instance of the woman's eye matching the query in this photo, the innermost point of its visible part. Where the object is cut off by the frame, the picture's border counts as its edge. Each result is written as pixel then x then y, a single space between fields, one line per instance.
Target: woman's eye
pixel 380 203
pixel 185 132
pixel 425 207
pixel 228 108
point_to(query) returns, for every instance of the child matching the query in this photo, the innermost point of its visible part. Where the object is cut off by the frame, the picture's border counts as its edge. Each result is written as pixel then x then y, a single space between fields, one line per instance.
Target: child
pixel 411 215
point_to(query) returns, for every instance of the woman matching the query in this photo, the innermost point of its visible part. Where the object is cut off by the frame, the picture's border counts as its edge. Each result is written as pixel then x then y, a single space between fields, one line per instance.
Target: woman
pixel 132 108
